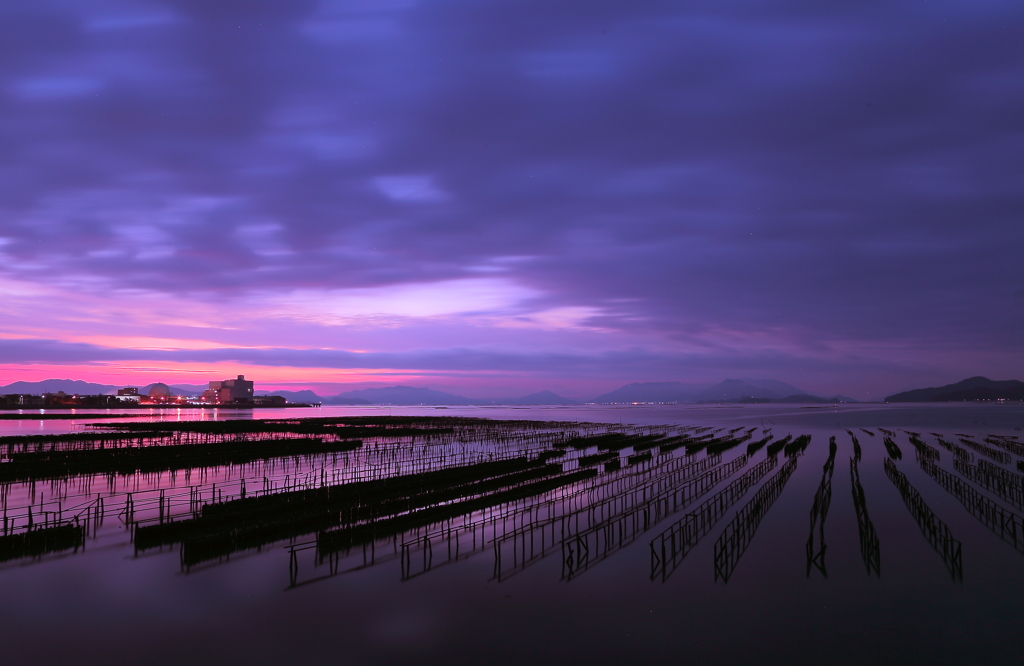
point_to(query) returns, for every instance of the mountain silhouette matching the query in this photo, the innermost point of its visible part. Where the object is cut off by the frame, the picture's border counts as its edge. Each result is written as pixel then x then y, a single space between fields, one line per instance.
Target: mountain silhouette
pixel 972 388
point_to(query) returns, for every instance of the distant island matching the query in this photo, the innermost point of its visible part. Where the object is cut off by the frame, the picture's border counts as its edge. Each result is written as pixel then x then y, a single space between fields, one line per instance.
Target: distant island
pixel 728 391
pixel 740 391
pixel 67 392
pixel 972 389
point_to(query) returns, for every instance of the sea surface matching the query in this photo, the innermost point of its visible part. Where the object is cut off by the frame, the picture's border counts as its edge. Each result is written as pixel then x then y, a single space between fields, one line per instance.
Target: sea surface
pixel 817 557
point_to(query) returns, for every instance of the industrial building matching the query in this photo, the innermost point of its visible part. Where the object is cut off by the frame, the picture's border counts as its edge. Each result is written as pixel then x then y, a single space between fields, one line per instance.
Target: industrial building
pixel 230 391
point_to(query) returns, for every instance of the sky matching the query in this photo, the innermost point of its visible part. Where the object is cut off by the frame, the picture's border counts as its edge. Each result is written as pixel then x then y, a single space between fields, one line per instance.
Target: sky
pixel 496 197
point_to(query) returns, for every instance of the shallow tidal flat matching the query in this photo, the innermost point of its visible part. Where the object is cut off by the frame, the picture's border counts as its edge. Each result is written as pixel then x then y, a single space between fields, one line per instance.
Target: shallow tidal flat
pixel 416 535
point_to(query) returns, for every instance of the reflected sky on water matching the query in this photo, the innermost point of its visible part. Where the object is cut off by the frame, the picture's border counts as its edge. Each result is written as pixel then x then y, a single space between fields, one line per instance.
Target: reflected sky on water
pixel 909 415
pixel 901 603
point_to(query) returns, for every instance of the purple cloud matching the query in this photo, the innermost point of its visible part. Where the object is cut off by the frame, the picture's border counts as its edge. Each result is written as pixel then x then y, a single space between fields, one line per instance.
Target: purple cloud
pixel 719 185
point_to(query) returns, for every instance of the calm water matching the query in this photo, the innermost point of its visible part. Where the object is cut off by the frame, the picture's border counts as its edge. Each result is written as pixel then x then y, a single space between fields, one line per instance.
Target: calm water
pixel 891 598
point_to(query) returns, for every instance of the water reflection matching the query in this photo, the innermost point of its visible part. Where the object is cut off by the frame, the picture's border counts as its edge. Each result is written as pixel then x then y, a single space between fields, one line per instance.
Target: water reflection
pixel 819 511
pixel 670 547
pixel 1006 524
pixel 740 532
pixel 934 530
pixel 870 549
pixel 350 493
pixel 600 504
pixel 586 549
pixel 42 540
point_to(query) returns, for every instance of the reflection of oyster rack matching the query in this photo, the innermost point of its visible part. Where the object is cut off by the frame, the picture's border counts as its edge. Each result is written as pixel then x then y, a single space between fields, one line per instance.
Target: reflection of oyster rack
pixel 819 511
pixel 934 530
pixel 995 480
pixel 870 549
pixel 516 550
pixel 582 551
pixel 520 533
pixel 1006 524
pixel 924 451
pixel 174 493
pixel 999 456
pixel 958 452
pixel 1007 443
pixel 740 532
pixel 669 548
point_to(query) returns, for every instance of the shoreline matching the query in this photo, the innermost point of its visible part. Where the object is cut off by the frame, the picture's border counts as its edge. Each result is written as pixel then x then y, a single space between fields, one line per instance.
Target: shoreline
pixel 33 409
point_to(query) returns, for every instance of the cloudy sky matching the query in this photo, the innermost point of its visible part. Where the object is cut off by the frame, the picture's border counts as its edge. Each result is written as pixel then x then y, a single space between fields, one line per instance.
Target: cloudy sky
pixel 508 196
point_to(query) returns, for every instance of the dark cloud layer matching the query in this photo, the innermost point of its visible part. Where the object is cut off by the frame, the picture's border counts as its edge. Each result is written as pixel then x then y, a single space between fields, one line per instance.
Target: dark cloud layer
pixel 840 175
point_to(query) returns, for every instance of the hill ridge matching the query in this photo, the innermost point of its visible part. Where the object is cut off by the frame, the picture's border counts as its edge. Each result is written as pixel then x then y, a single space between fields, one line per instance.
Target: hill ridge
pixel 972 388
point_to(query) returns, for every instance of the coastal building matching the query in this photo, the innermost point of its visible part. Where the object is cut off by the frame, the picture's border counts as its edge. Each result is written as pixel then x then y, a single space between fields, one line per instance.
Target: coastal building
pixel 238 390
pixel 22 400
pixel 161 394
pixel 160 391
pixel 57 399
pixel 128 394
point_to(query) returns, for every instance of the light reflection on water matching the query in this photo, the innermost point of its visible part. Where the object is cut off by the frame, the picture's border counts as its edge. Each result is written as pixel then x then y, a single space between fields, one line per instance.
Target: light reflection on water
pixel 1007 417
pixel 506 584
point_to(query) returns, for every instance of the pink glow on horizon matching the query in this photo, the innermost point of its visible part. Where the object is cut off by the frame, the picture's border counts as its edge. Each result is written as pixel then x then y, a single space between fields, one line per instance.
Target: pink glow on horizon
pixel 178 373
pixel 323 381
